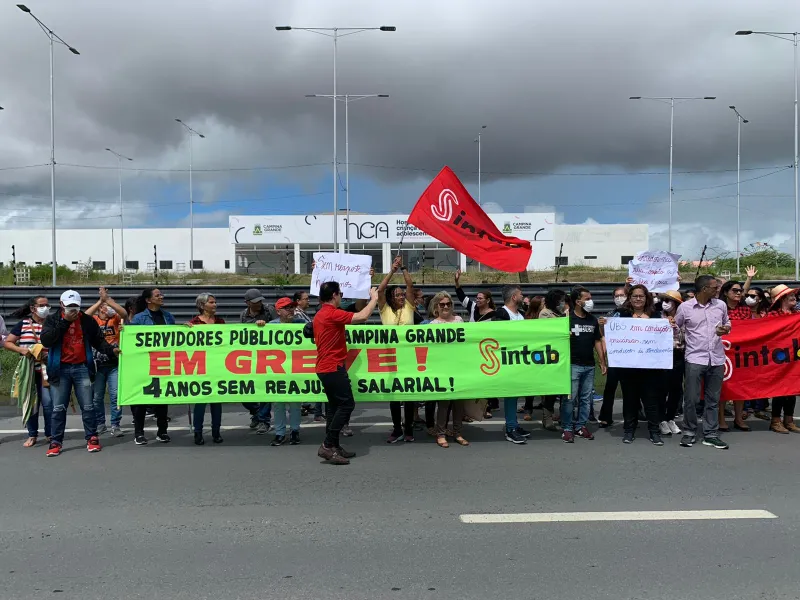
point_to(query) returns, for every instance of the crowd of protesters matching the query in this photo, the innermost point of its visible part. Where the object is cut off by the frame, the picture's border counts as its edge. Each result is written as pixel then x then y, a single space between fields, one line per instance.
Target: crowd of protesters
pixel 69 351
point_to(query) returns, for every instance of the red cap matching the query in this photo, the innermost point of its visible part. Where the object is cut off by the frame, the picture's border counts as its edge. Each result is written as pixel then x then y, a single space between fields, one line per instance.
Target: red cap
pixel 285 303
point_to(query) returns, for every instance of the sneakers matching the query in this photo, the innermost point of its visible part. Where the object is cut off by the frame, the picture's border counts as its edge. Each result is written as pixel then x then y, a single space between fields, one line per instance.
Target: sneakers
pixel 568 437
pixel 318 419
pixel 262 428
pixel 93 444
pixel 54 449
pixel 408 438
pixel 332 456
pixel 513 436
pixel 522 432
pixel 163 438
pixel 656 439
pixel 198 438
pixel 117 431
pixel 664 428
pixel 254 422
pixel 217 438
pixel 584 433
pixel 346 431
pixel 294 438
pixel 674 428
pixel 279 440
pixel 102 429
pixel 140 440
pixel 628 437
pixel 394 437
pixel 715 442
pixel 345 453
pixel 688 441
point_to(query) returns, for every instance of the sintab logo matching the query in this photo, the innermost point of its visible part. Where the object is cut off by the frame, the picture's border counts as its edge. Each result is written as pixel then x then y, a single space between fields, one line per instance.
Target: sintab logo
pixel 488 348
pixel 728 363
pixel 444 211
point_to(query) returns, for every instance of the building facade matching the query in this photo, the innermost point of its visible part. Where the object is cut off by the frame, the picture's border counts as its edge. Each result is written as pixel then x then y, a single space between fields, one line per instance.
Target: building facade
pixel 286 244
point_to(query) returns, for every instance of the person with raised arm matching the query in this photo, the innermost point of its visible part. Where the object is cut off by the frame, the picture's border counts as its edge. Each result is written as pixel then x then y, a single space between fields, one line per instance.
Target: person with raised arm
pixel 480 309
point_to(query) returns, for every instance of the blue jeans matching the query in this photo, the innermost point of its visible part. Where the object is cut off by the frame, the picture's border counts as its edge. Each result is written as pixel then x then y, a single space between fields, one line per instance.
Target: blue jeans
pixel 280 417
pixel 318 412
pixel 582 383
pixel 510 409
pixel 260 410
pixel 200 414
pixel 73 377
pixel 44 400
pixel 106 375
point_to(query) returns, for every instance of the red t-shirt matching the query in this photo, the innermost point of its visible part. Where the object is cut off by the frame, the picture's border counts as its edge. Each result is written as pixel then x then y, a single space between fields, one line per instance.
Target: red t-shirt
pixel 329 325
pixel 198 321
pixel 73 350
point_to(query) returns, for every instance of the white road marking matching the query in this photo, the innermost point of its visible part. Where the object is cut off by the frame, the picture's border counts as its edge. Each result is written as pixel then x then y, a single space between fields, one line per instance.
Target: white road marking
pixel 126 426
pixel 634 515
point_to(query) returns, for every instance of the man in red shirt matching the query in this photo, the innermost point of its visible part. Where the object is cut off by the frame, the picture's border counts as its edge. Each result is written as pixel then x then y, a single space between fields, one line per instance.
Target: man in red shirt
pixel 329 323
pixel 70 335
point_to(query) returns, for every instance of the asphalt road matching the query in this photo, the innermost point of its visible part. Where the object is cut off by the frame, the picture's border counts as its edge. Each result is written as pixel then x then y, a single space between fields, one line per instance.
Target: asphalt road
pixel 245 520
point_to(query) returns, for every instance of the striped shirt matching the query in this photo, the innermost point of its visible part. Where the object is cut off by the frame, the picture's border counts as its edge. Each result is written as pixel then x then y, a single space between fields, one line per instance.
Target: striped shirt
pixel 28 334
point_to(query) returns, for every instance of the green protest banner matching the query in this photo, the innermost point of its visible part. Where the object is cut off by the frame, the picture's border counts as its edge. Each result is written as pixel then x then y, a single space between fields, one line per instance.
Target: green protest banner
pixel 275 363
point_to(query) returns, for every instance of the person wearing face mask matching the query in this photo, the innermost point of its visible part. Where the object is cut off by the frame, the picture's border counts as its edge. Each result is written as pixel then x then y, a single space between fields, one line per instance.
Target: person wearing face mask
pixel 756 300
pixel 784 303
pixel 585 340
pixel 731 293
pixel 21 339
pixel 612 378
pixel 553 308
pixel 704 320
pixel 641 387
pixel 109 317
pixel 70 335
pixel 670 301
pixel 510 311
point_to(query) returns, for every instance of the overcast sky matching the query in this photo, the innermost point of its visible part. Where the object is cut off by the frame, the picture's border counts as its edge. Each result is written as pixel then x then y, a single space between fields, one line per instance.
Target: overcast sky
pixel 549 79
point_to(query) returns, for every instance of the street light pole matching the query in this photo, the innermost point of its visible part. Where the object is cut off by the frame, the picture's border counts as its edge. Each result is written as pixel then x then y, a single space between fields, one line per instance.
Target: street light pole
pixel 739 120
pixel 479 163
pixel 53 38
pixel 782 35
pixel 192 133
pixel 120 157
pixel 334 32
pixel 347 99
pixel 671 103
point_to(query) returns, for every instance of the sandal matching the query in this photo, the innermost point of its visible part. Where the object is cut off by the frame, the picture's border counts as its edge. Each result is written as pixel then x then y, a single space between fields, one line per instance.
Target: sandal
pixel 29 443
pixel 467 420
pixel 461 441
pixel 442 441
pixel 487 414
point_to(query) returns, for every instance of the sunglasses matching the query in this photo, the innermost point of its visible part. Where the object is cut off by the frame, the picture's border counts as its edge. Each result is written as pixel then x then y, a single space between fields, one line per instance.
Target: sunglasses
pixel 752 295
pixel 445 304
pixel 737 290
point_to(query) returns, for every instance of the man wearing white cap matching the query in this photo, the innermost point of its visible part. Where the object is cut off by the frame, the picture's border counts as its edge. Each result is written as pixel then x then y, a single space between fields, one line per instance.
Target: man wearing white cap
pixel 70 335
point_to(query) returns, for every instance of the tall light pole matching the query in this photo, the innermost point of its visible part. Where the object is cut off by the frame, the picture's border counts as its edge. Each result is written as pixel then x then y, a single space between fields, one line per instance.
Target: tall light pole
pixel 739 120
pixel 478 140
pixel 347 99
pixel 671 101
pixel 335 33
pixel 53 38
pixel 781 35
pixel 192 133
pixel 120 158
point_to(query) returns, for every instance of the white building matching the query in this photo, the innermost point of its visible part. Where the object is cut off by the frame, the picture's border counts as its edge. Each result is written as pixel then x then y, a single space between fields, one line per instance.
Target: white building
pixel 286 243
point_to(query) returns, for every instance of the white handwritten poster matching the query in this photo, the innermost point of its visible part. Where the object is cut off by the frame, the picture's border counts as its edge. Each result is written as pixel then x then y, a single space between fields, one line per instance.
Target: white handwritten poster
pixel 639 343
pixel 655 269
pixel 350 270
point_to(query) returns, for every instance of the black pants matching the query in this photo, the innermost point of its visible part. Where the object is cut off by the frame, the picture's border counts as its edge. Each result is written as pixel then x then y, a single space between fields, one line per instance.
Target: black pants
pixel 340 404
pixel 139 412
pixel 549 402
pixel 430 414
pixel 641 387
pixel 612 381
pixel 785 404
pixel 674 397
pixel 408 409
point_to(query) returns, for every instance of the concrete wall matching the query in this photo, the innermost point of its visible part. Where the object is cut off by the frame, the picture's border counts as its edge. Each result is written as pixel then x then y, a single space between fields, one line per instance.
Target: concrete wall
pixel 600 245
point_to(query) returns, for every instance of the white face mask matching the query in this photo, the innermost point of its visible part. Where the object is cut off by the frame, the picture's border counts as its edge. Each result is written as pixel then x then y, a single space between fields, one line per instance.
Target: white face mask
pixel 43 311
pixel 667 306
pixel 751 301
pixel 110 312
pixel 619 300
pixel 588 306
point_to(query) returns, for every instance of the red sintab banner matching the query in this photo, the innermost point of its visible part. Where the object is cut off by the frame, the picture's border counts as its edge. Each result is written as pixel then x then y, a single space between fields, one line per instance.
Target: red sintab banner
pixel 447 212
pixel 762 359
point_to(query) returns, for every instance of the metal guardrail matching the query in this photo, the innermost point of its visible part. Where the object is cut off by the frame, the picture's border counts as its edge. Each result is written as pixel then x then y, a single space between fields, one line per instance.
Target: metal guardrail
pixel 180 300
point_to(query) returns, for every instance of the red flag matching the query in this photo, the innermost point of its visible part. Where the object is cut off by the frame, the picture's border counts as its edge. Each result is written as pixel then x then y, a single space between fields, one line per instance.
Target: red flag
pixel 448 213
pixel 762 359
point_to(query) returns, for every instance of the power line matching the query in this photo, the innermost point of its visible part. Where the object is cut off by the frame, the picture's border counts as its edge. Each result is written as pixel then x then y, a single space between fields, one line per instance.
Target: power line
pixel 194 170
pixel 711 187
pixel 24 167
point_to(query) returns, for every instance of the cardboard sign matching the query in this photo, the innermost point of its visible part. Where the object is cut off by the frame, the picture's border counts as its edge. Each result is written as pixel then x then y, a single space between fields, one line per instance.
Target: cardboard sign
pixel 639 343
pixel 350 270
pixel 655 269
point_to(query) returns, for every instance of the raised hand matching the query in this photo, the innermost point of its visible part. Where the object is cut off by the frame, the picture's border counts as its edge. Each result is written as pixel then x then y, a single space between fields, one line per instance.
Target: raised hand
pixel 751 271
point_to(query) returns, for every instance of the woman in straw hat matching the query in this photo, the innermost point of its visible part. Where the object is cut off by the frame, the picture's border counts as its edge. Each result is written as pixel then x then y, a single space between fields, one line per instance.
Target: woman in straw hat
pixel 670 301
pixel 784 302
